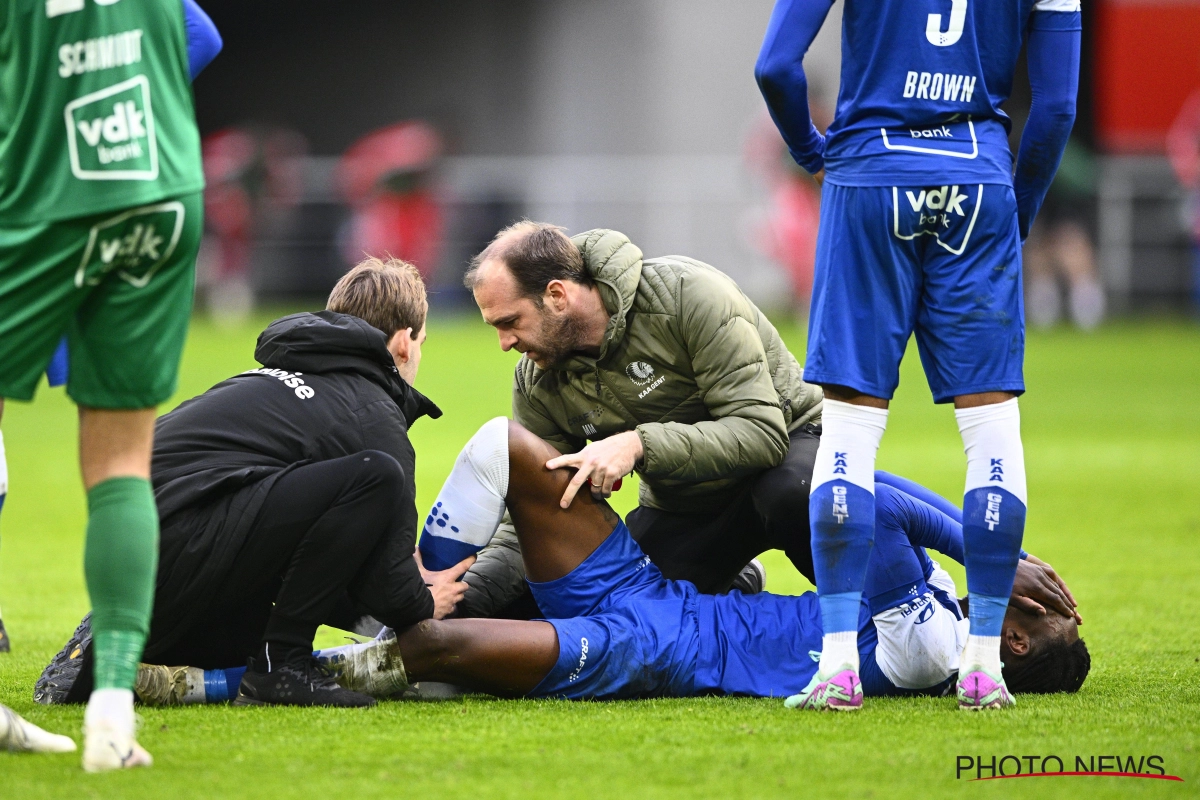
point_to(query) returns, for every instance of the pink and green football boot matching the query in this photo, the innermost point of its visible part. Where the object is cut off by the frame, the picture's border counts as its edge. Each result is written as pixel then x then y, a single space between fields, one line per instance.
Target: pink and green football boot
pixel 979 690
pixel 842 692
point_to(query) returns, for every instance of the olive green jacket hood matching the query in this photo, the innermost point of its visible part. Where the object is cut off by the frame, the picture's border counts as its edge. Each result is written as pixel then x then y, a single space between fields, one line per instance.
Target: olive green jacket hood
pixel 689 362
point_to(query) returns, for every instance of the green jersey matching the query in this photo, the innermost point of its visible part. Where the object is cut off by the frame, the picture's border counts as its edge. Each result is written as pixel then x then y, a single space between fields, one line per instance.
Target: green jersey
pixel 95 108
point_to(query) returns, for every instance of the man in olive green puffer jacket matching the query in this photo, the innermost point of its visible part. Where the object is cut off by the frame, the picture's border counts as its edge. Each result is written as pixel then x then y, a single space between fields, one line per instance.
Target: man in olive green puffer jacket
pixel 669 370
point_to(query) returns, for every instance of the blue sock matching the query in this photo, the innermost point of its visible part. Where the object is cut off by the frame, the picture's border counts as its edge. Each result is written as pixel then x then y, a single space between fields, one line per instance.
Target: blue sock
pixel 221 685
pixel 987 614
pixel 233 679
pixel 993 525
pixel 842 517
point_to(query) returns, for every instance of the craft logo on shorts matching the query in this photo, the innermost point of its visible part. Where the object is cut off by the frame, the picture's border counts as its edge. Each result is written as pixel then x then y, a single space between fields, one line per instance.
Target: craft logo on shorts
pixel 110 133
pixel 583 654
pixel 135 243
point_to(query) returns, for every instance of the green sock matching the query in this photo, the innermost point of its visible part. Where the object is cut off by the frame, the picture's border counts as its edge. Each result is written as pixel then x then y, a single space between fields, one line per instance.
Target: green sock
pixel 120 560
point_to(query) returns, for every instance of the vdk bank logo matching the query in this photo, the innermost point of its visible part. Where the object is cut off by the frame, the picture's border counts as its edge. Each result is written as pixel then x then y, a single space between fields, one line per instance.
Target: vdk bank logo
pixel 110 133
pixel 135 243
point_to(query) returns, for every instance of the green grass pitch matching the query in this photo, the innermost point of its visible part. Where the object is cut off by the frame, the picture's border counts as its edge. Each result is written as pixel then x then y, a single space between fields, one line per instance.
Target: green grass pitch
pixel 1112 437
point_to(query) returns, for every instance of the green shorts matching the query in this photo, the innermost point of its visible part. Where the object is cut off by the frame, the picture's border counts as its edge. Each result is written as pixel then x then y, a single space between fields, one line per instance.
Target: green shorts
pixel 118 284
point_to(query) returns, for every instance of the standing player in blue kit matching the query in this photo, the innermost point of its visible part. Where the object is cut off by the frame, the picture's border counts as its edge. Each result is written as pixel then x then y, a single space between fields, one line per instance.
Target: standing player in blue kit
pixel 922 220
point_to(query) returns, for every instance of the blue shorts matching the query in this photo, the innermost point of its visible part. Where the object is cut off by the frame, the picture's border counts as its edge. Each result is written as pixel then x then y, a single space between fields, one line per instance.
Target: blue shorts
pixel 941 261
pixel 759 645
pixel 623 629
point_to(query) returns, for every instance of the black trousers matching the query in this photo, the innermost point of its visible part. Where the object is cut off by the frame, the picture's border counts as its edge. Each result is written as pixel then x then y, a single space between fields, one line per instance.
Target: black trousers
pixel 317 529
pixel 318 532
pixel 770 514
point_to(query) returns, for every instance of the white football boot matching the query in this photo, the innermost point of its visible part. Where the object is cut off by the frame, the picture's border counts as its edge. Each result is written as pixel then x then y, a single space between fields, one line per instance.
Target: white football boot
pixel 109 733
pixel 19 736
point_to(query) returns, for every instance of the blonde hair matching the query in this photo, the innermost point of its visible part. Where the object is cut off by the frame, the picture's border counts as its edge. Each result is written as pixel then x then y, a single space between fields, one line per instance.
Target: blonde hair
pixel 386 293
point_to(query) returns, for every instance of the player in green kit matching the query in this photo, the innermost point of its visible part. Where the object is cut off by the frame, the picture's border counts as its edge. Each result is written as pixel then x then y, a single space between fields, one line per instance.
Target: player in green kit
pixel 100 220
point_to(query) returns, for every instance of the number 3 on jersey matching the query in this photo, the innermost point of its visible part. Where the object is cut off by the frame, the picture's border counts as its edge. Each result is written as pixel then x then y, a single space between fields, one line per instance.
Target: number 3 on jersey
pixel 933 26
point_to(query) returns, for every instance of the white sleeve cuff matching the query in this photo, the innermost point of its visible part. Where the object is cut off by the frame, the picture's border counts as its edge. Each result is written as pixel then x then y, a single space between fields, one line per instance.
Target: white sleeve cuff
pixel 1057 5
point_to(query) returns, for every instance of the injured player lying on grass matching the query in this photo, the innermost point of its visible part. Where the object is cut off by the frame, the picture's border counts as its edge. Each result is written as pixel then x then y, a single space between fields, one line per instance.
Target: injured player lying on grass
pixel 617 629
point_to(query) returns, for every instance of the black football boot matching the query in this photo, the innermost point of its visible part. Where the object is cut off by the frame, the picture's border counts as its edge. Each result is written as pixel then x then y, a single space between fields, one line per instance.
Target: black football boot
pixel 300 682
pixel 57 683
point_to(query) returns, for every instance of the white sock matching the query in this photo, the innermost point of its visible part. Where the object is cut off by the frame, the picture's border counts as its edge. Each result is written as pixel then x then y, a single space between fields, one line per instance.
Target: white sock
pixel 114 706
pixel 992 434
pixel 838 650
pixel 347 649
pixel 855 431
pixel 980 652
pixel 471 503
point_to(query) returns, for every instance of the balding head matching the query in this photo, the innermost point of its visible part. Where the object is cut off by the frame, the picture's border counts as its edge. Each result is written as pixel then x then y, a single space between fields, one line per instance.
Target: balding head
pixel 533 254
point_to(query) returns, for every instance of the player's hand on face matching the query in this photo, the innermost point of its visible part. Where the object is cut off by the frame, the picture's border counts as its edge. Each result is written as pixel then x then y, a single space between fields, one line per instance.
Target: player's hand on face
pixel 444 585
pixel 602 463
pixel 1061 585
pixel 1036 587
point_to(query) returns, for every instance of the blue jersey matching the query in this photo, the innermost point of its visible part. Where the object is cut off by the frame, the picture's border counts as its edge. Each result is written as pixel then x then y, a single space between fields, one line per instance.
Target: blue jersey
pixel 921 88
pixel 922 83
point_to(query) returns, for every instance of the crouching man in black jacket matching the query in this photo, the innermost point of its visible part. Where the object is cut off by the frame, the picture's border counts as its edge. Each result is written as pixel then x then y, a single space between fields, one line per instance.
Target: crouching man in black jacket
pixel 287 500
